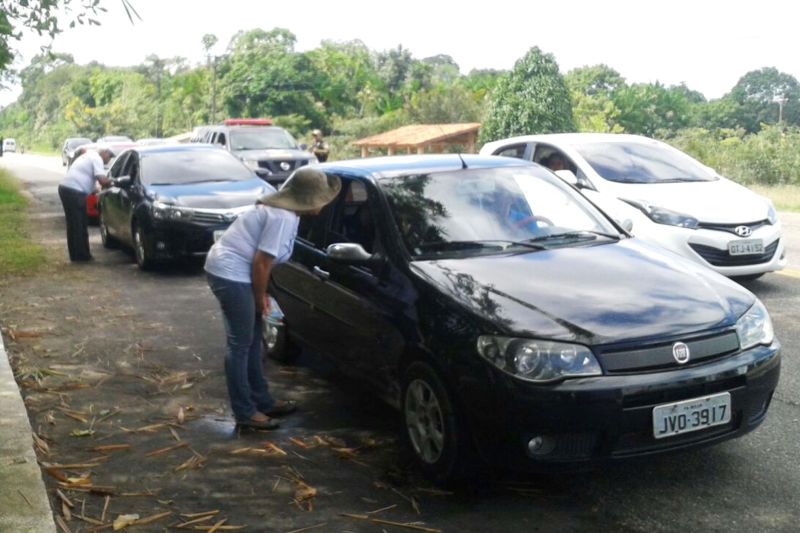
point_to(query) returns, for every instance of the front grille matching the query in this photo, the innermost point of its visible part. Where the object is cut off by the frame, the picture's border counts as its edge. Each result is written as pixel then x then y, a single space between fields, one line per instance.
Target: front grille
pixel 204 217
pixel 722 258
pixel 731 228
pixel 659 356
pixel 281 166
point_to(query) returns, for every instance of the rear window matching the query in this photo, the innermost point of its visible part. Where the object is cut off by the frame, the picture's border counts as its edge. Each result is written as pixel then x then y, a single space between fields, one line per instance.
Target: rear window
pixel 642 163
pixel 179 167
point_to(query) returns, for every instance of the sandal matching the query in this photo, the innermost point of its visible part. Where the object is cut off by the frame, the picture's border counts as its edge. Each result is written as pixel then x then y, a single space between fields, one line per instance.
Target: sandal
pixel 251 423
pixel 282 408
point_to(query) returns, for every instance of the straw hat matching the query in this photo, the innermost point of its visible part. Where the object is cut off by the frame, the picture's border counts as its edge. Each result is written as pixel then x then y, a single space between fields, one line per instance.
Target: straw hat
pixel 307 189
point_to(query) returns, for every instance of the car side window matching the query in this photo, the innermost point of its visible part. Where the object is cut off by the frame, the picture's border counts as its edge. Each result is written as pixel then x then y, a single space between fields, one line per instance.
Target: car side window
pixel 132 167
pixel 118 166
pixel 353 217
pixel 516 150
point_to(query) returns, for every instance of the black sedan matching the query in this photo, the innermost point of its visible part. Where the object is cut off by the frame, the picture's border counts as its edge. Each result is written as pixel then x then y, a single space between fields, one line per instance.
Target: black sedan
pixel 503 314
pixel 174 201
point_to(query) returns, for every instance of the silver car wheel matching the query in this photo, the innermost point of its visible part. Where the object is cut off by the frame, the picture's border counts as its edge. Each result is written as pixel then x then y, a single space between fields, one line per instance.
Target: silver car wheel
pixel 270 335
pixel 138 243
pixel 424 421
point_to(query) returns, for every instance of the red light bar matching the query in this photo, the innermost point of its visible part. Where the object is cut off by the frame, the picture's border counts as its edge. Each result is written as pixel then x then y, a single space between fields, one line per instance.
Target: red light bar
pixel 247 122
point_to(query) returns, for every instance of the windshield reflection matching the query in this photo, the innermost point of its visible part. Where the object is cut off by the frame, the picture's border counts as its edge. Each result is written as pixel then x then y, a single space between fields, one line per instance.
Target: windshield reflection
pixel 642 163
pixel 262 139
pixel 480 211
pixel 175 168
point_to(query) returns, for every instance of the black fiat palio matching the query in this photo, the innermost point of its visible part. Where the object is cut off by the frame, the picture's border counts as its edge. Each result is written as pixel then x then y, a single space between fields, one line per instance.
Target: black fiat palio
pixel 503 314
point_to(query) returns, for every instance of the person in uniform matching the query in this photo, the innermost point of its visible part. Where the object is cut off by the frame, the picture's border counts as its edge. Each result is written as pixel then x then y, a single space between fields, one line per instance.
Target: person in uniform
pixel 238 267
pixel 319 147
pixel 78 183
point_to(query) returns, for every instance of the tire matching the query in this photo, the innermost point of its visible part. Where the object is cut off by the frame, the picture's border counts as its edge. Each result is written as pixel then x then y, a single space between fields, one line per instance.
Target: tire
pixel 142 249
pixel 431 424
pixel 108 241
pixel 276 343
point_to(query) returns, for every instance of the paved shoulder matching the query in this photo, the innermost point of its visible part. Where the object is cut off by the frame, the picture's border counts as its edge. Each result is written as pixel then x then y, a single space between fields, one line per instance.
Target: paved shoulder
pixel 24 506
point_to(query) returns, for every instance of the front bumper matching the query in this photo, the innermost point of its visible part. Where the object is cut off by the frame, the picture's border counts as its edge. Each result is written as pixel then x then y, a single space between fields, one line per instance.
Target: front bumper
pixel 610 417
pixel 709 248
pixel 174 239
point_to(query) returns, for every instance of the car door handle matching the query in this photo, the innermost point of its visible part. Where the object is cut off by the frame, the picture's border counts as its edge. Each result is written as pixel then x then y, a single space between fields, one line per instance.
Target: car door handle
pixel 322 274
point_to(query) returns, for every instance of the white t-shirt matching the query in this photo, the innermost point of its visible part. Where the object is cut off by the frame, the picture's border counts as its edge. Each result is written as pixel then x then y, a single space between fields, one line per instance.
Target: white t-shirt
pixel 269 229
pixel 82 174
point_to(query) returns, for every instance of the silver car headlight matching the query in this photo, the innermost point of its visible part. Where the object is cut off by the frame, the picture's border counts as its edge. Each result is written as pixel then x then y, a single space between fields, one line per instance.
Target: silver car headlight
pixel 536 360
pixel 252 164
pixel 662 215
pixel 163 211
pixel 772 215
pixel 755 327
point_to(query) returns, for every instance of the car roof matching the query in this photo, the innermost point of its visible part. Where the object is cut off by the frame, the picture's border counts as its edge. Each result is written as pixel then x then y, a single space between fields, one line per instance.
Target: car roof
pixel 570 138
pixel 176 148
pixel 399 165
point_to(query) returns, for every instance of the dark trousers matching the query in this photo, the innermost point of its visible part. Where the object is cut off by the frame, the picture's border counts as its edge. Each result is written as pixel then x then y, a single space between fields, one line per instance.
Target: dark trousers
pixel 74 203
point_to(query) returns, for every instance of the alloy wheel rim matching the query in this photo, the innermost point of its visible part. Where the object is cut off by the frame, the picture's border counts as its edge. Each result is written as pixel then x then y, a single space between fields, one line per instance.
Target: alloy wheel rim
pixel 270 336
pixel 103 228
pixel 424 421
pixel 137 236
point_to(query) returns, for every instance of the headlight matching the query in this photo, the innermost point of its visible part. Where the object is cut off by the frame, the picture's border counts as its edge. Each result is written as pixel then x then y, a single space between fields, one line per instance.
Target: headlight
pixel 537 360
pixel 772 215
pixel 252 164
pixel 662 215
pixel 164 211
pixel 755 327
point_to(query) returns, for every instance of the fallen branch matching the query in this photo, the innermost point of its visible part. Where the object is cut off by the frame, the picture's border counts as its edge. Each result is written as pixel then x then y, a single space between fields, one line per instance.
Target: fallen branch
pixel 167 449
pixel 367 518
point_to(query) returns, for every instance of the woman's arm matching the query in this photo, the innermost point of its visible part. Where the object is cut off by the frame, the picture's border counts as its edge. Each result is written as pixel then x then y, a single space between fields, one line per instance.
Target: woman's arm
pixel 262 266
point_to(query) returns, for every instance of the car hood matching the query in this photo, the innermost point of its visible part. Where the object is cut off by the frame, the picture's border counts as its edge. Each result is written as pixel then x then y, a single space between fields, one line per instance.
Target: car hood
pixel 721 201
pixel 274 154
pixel 590 294
pixel 212 194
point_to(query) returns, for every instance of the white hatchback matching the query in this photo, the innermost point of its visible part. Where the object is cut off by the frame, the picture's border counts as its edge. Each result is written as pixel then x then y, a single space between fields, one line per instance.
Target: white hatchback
pixel 670 198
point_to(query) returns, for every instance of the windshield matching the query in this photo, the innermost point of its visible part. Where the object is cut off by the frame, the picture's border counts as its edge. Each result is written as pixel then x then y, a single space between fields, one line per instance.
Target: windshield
pixel 642 163
pixel 175 168
pixel 489 211
pixel 261 139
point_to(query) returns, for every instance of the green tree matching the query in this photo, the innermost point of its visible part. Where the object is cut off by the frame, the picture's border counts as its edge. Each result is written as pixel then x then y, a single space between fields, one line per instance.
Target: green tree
pixel 646 108
pixel 533 98
pixel 341 71
pixel 762 95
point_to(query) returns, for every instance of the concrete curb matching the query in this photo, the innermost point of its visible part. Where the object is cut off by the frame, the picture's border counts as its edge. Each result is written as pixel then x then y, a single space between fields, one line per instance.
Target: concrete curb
pixel 24 505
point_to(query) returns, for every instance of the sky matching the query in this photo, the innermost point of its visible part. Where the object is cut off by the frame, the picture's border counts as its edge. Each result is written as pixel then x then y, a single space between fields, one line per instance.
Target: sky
pixel 706 44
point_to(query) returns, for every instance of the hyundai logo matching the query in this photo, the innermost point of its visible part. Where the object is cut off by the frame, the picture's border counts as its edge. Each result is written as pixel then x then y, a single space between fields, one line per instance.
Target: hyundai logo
pixel 286 166
pixel 681 353
pixel 743 231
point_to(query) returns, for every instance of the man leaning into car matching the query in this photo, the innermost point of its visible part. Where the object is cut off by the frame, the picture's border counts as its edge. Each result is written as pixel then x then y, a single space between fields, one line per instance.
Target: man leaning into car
pixel 76 186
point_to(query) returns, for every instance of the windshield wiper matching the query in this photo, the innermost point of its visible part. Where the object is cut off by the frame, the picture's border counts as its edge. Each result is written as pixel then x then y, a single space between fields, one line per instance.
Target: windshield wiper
pixel 581 234
pixel 481 244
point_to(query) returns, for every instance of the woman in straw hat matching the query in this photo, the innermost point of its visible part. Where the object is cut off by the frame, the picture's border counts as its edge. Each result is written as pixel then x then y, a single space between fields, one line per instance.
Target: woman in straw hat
pixel 238 268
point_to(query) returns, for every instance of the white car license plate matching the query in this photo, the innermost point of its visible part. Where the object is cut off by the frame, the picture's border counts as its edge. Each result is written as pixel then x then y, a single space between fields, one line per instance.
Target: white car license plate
pixel 217 234
pixel 691 415
pixel 746 247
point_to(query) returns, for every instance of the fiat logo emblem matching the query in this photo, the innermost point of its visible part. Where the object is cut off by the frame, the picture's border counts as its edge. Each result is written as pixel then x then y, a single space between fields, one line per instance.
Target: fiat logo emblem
pixel 743 231
pixel 680 352
pixel 287 166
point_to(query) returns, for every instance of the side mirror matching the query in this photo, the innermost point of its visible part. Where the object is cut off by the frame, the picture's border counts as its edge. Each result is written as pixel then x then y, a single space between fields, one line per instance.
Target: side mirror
pixel 123 182
pixel 353 254
pixel 626 224
pixel 568 176
pixel 304 146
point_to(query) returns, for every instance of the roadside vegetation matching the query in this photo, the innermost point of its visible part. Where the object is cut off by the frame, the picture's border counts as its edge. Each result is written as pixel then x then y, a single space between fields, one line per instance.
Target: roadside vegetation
pixel 18 253
pixel 751 134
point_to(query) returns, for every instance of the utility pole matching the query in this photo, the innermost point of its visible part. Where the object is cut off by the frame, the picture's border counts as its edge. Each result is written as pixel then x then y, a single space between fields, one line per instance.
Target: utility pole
pixel 780 100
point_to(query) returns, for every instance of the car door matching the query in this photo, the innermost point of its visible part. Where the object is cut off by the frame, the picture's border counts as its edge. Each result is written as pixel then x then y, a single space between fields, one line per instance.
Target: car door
pixel 361 305
pixel 109 205
pixel 130 197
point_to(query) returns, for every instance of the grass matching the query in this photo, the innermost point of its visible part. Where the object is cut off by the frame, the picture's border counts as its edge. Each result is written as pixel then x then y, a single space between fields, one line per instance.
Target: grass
pixel 785 197
pixel 18 253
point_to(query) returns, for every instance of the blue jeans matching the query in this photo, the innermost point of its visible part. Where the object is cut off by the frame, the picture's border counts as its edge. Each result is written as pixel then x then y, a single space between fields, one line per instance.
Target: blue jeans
pixel 247 387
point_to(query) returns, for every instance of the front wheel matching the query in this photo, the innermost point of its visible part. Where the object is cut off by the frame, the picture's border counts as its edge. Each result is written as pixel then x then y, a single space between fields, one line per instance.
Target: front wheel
pixel 276 344
pixel 142 249
pixel 431 423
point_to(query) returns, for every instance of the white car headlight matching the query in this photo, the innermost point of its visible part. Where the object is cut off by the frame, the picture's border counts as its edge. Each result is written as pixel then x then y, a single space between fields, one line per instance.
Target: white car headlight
pixel 252 164
pixel 772 215
pixel 538 360
pixel 662 215
pixel 755 327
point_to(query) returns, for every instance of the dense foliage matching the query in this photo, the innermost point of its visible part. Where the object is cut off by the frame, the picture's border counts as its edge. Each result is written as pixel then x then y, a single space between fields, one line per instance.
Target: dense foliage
pixel 349 91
